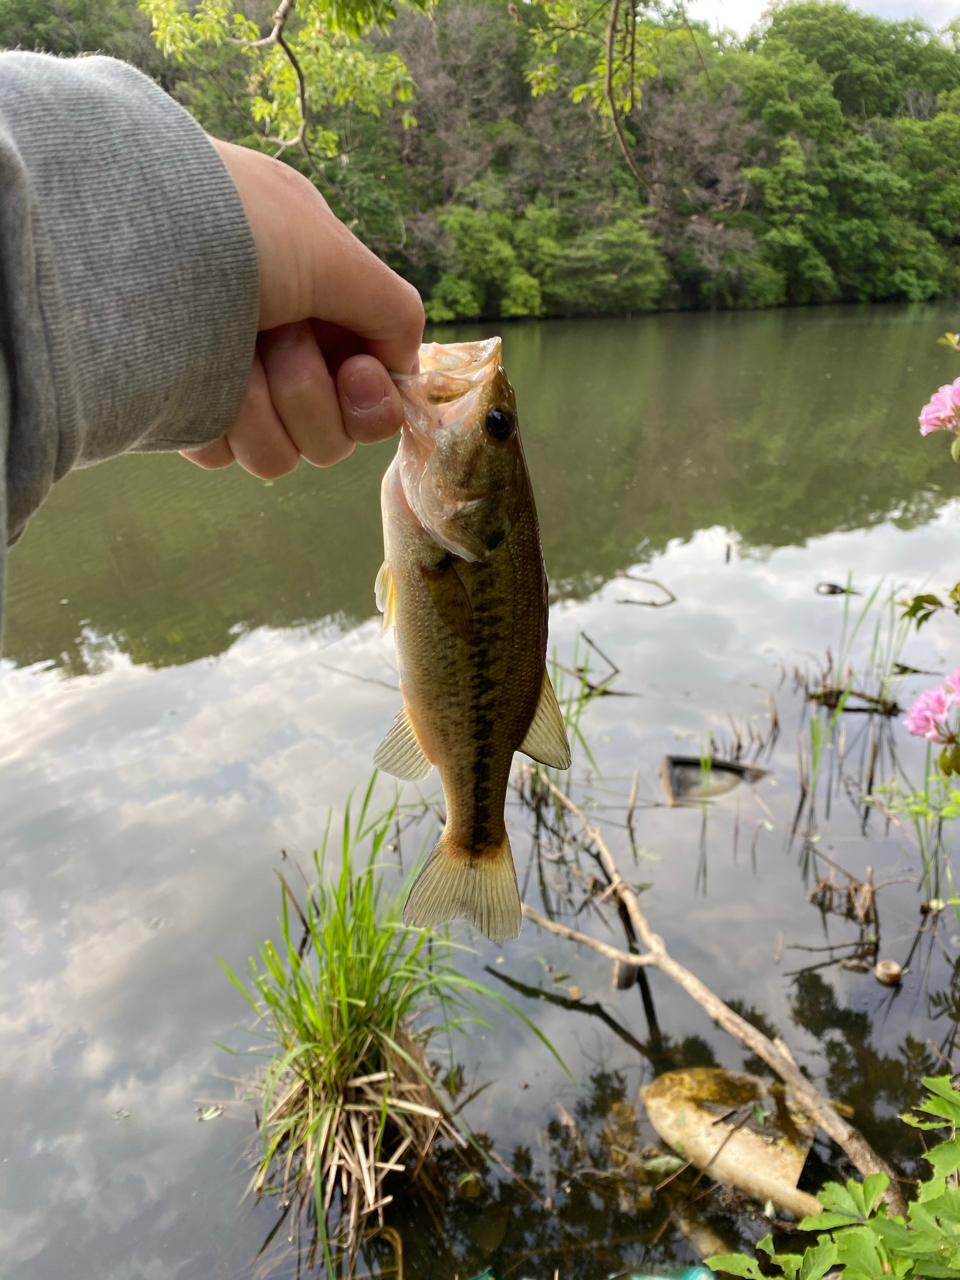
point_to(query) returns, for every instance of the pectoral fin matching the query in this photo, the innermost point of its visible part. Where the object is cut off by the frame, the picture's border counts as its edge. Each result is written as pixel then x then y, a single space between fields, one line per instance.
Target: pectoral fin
pixel 386 592
pixel 449 596
pixel 400 753
pixel 546 738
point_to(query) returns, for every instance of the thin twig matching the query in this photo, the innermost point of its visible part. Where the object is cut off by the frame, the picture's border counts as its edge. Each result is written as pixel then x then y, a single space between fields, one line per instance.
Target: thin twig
pixel 277 36
pixel 611 97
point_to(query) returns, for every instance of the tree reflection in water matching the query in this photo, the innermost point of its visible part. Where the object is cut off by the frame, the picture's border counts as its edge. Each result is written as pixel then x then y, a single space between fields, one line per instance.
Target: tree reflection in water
pixel 604 1195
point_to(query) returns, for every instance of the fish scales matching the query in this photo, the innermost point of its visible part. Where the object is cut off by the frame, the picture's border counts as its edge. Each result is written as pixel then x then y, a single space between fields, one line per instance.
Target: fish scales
pixel 464 585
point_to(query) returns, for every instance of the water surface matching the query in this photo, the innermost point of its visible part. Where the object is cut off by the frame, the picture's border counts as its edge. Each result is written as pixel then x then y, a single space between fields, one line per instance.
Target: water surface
pixel 193 678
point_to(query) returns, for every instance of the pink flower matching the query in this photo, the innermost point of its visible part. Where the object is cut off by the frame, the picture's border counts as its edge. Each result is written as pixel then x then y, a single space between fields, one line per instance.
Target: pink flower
pixel 928 716
pixel 943 411
pixel 953 684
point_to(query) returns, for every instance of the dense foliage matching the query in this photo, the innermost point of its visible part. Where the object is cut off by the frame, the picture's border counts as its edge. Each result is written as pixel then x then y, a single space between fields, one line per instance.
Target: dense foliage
pixel 472 147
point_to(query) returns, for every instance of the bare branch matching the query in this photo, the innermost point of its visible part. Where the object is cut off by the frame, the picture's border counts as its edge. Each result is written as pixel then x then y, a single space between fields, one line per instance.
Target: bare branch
pixel 277 37
pixel 818 1104
pixel 611 97
pixel 279 22
pixel 583 939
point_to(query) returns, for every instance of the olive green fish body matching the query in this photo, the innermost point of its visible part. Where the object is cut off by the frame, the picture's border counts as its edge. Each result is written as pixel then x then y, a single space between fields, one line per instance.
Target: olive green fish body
pixel 471 689
pixel 464 586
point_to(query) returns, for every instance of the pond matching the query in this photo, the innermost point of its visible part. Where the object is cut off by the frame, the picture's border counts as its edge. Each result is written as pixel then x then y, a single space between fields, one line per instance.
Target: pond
pixel 194 679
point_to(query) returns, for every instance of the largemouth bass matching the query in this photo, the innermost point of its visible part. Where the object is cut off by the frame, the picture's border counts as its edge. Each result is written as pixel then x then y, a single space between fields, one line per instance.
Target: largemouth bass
pixel 463 585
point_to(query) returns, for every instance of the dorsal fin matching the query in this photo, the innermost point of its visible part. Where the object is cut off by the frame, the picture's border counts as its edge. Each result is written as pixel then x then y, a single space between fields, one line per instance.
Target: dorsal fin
pixel 400 753
pixel 546 738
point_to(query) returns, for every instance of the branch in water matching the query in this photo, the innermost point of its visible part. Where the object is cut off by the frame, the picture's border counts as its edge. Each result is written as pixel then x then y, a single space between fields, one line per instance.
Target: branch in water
pixel 773 1052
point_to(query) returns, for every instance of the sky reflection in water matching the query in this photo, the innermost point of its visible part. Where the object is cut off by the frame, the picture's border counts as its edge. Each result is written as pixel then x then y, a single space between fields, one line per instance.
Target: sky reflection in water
pixel 187 715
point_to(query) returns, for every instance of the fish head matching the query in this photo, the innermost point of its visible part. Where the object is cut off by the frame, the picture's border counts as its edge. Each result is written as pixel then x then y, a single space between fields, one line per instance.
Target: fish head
pixel 460 460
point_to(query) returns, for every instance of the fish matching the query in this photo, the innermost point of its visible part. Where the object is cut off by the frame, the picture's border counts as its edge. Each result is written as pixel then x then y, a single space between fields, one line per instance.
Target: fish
pixel 464 587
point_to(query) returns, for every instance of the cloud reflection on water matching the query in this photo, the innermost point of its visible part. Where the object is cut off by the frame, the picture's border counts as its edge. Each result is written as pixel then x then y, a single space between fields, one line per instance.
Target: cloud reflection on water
pixel 137 796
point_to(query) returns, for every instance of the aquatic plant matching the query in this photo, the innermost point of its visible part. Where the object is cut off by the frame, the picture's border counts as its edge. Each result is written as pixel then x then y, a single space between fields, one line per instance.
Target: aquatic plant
pixel 929 809
pixel 855 1230
pixel 348 1095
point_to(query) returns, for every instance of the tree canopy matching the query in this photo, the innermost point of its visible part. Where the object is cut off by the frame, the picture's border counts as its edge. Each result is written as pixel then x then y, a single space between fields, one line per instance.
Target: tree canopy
pixel 556 157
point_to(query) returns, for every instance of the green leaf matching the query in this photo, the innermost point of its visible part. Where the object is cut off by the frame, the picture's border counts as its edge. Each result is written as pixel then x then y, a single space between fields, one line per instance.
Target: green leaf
pixel 818 1260
pixel 826 1221
pixel 736 1264
pixel 949 1105
pixel 846 1201
pixel 874 1185
pixel 945 1159
pixel 789 1263
pixel 766 1244
pixel 858 1249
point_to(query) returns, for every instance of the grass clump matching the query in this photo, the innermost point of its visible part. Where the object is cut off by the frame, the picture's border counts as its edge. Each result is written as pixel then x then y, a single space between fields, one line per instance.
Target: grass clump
pixel 348 1095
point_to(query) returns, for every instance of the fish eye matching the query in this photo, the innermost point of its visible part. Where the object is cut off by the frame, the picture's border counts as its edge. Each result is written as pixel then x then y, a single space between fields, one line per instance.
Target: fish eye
pixel 499 424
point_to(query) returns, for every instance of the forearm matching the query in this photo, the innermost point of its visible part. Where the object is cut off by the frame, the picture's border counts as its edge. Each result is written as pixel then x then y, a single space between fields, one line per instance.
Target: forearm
pixel 128 274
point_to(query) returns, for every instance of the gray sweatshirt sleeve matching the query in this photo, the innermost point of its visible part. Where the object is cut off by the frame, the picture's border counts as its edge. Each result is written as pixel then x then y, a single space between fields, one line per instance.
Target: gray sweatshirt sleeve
pixel 128 275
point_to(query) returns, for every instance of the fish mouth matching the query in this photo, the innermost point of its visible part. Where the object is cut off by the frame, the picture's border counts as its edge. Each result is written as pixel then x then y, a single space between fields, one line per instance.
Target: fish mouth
pixel 451 378
pixel 463 361
pixel 441 404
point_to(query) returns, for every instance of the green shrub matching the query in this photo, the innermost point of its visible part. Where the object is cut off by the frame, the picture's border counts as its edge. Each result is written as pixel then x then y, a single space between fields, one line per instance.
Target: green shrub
pixel 521 296
pixel 764 285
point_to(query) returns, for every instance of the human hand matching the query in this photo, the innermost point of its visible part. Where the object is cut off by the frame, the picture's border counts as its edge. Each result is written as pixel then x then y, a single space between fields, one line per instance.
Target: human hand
pixel 333 319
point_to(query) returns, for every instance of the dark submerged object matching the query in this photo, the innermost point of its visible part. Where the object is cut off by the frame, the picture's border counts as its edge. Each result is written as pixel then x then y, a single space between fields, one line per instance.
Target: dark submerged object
pixel 686 781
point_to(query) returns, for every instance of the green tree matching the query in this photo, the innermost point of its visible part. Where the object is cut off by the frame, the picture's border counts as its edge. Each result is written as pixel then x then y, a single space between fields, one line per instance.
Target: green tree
pixel 72 27
pixel 876 66
pixel 610 270
pixel 298 68
pixel 785 91
pixel 485 274
pixel 927 157
pixel 790 201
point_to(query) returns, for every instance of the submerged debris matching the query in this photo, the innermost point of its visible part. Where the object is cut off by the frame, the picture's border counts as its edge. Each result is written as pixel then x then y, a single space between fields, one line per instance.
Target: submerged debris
pixel 738 1129
pixel 889 972
pixel 857 900
pixel 690 780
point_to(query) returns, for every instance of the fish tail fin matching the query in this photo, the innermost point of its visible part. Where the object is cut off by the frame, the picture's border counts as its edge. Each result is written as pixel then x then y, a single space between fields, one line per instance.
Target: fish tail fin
pixel 480 884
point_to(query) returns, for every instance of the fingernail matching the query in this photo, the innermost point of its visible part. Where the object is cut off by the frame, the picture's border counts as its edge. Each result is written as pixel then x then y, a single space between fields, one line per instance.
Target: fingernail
pixel 365 394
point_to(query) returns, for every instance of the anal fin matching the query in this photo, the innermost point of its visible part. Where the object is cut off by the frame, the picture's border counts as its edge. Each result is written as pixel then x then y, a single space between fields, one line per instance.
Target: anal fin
pixel 386 593
pixel 400 753
pixel 546 738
